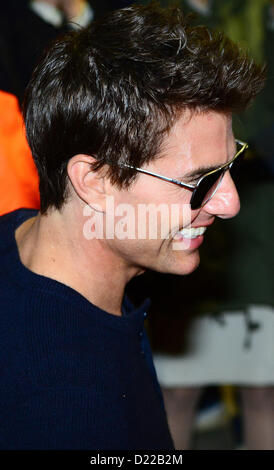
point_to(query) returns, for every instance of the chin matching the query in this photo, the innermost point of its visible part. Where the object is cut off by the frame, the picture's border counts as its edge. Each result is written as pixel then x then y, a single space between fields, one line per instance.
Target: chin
pixel 181 265
pixel 186 269
pixel 189 263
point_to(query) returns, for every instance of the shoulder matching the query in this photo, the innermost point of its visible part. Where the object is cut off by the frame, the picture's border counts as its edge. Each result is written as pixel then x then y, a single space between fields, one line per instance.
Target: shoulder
pixel 8 224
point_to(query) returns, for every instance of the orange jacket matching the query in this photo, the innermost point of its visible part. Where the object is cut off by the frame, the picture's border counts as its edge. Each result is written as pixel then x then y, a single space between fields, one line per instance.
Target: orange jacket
pixel 18 174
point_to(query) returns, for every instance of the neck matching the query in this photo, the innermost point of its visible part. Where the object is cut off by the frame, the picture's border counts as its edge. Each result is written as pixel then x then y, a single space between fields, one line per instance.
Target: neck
pixel 50 2
pixel 71 8
pixel 54 246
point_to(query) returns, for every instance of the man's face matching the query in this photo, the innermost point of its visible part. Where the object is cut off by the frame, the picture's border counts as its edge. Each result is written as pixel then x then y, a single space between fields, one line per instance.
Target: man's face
pixel 201 142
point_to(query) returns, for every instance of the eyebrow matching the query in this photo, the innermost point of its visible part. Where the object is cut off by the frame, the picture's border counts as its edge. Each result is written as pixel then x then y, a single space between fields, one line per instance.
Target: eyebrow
pixel 198 172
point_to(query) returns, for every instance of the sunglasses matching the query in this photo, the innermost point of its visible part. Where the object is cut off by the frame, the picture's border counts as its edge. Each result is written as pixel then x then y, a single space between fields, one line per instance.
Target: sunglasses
pixel 209 183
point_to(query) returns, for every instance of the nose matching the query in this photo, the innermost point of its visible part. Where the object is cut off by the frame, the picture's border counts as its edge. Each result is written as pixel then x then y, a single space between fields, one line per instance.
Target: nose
pixel 226 202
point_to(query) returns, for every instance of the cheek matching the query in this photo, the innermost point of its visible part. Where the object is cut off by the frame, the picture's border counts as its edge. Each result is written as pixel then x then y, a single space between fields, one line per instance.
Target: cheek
pixel 187 216
pixel 165 205
pixel 197 215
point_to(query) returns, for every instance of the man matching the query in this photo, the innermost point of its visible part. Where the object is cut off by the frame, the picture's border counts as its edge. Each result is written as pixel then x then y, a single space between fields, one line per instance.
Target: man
pixel 113 113
pixel 28 26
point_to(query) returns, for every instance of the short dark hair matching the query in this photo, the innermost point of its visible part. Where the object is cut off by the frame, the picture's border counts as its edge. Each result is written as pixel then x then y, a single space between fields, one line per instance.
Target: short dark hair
pixel 114 89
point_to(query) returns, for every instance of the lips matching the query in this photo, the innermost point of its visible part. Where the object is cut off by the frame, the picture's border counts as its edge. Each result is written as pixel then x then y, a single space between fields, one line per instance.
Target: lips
pixel 192 233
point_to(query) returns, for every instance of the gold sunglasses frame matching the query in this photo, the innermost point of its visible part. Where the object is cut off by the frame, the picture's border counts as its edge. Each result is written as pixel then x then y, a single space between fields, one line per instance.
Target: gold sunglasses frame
pixel 194 187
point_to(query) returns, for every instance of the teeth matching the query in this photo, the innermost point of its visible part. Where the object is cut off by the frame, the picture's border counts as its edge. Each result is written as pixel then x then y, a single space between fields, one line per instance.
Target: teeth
pixel 192 232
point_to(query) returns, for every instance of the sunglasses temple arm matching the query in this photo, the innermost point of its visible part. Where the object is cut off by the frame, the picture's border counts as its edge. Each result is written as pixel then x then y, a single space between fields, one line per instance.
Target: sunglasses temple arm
pixel 164 178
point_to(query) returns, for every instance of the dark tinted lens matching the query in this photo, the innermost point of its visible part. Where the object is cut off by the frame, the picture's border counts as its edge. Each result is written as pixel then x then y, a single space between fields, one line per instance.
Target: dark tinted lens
pixel 209 183
pixel 235 169
pixel 205 189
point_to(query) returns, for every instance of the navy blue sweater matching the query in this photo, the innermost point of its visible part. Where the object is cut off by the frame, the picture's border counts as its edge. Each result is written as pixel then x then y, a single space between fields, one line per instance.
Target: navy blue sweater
pixel 71 375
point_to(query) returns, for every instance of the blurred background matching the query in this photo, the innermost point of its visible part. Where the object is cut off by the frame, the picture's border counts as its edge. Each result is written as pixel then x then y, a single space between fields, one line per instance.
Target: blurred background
pixel 212 332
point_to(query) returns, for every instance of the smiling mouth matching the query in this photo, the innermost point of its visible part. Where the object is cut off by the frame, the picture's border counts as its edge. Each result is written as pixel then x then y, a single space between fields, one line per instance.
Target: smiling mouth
pixel 190 233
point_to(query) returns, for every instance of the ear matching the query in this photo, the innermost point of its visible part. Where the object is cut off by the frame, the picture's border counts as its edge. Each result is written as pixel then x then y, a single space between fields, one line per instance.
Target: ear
pixel 88 184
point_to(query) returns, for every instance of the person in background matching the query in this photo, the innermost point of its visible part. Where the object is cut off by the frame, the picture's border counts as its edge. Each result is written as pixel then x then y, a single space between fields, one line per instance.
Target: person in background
pixel 18 174
pixel 28 26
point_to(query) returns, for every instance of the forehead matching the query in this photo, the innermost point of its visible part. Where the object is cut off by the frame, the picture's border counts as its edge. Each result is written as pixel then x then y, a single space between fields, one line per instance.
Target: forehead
pixel 200 139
